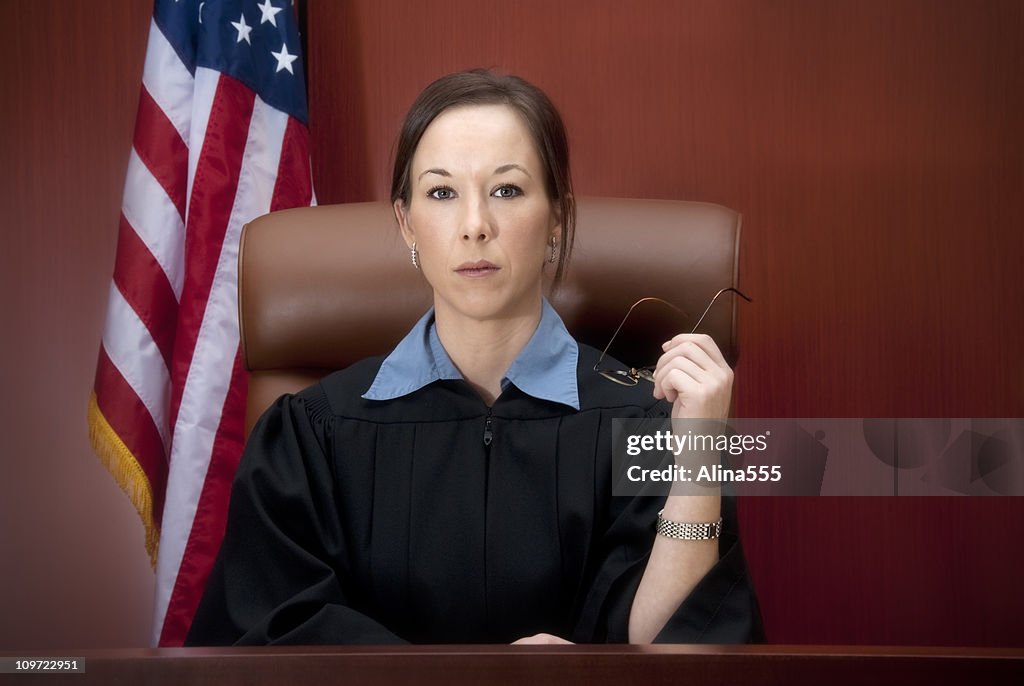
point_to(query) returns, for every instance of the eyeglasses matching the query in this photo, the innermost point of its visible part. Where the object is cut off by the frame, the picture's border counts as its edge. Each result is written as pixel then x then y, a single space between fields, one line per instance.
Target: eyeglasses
pixel 632 376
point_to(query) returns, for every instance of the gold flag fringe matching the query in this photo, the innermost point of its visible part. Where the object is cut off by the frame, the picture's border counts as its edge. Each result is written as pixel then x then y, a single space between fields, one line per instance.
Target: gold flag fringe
pixel 127 472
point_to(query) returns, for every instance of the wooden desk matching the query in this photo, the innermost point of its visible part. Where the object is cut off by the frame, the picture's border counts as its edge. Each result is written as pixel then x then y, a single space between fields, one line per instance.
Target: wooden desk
pixel 539 665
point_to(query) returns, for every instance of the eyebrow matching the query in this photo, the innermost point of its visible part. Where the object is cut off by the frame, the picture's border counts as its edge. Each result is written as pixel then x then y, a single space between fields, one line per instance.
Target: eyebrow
pixel 439 172
pixel 509 167
pixel 500 170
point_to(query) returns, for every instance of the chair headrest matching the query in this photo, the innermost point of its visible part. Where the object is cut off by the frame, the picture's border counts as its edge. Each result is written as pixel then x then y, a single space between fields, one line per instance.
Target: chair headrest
pixel 322 287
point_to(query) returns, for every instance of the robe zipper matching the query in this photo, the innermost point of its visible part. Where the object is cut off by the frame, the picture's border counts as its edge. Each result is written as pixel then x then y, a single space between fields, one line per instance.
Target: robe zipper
pixel 488 430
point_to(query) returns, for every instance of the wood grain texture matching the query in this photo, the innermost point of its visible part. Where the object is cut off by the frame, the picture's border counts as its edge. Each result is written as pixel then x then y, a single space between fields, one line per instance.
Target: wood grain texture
pixel 542 665
pixel 876 152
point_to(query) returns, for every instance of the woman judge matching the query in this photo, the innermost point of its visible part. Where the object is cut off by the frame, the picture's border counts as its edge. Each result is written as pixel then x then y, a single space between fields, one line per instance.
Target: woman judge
pixel 459 490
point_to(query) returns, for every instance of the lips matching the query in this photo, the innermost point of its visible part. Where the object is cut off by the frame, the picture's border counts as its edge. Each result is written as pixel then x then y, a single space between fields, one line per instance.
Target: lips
pixel 477 269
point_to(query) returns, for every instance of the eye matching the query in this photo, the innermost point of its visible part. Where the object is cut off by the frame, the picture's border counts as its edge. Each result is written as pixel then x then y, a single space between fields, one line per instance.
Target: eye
pixel 441 193
pixel 507 191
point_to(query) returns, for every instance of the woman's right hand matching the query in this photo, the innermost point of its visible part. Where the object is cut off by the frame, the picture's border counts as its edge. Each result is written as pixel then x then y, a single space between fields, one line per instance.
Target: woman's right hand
pixel 542 639
pixel 693 375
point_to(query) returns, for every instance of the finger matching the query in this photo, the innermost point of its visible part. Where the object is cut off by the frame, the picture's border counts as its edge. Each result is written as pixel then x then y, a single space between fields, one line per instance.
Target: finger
pixel 710 378
pixel 692 360
pixel 554 640
pixel 689 349
pixel 694 389
pixel 658 393
pixel 707 400
pixel 707 343
pixel 680 375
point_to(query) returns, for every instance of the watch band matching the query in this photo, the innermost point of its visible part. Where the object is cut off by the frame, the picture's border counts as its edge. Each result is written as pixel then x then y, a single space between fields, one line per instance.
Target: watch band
pixel 688 531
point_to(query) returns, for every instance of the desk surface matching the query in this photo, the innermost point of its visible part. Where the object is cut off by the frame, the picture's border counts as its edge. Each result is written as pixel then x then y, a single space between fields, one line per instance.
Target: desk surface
pixel 537 665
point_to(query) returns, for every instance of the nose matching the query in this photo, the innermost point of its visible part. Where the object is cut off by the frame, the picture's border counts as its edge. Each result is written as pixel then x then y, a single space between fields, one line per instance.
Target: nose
pixel 477 222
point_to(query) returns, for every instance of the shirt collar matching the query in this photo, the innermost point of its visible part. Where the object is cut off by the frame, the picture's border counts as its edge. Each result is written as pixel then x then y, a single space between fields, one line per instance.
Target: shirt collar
pixel 544 369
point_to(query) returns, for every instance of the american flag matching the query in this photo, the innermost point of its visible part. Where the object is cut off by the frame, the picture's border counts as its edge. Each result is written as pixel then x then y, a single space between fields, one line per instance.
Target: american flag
pixel 221 137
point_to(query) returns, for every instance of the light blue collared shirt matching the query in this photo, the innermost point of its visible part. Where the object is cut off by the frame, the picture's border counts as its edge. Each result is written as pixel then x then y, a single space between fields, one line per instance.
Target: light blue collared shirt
pixel 545 368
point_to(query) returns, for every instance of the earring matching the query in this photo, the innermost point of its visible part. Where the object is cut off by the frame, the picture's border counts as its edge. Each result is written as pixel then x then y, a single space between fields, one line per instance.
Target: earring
pixel 554 254
pixel 414 256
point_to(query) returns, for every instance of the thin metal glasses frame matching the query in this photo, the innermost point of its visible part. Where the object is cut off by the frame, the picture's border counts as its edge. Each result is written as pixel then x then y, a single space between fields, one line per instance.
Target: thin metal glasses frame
pixel 632 376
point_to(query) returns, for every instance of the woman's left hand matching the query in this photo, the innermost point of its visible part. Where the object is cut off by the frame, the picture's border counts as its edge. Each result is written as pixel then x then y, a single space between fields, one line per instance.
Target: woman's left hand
pixel 693 375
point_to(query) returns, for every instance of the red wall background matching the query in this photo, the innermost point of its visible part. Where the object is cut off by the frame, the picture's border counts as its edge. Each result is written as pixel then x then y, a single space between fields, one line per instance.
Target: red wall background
pixel 876 151
pixel 874 148
pixel 73 569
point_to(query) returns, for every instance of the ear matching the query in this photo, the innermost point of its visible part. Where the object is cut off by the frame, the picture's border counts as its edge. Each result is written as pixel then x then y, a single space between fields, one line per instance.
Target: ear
pixel 556 222
pixel 402 215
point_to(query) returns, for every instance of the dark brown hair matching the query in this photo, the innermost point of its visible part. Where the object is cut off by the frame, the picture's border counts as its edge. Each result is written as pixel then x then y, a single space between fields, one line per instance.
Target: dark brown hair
pixel 483 87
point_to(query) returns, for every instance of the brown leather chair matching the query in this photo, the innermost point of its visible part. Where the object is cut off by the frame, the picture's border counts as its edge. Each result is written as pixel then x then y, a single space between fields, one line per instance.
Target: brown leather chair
pixel 322 287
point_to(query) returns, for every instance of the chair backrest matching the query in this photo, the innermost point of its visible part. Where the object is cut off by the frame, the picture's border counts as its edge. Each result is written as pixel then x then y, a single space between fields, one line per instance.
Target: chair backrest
pixel 322 287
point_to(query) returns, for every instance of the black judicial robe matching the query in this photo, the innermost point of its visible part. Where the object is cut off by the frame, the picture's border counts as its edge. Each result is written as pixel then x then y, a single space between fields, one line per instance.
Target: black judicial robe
pixel 432 518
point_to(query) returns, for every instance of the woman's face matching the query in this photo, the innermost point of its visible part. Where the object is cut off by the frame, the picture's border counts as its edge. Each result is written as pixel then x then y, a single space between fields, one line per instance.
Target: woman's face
pixel 479 213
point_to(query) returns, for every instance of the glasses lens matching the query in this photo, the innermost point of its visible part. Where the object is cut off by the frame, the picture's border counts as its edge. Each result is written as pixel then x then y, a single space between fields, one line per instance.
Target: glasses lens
pixel 646 373
pixel 619 377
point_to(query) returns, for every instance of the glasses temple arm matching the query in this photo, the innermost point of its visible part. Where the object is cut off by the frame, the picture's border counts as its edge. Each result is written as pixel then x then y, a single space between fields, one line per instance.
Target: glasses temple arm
pixel 623 323
pixel 708 308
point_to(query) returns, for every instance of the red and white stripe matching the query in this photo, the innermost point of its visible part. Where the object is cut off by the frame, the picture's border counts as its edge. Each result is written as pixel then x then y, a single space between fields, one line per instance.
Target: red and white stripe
pixel 208 156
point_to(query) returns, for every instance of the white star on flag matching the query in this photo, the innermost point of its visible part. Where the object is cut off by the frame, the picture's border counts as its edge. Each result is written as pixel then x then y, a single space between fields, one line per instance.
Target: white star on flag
pixel 269 12
pixel 243 30
pixel 284 60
